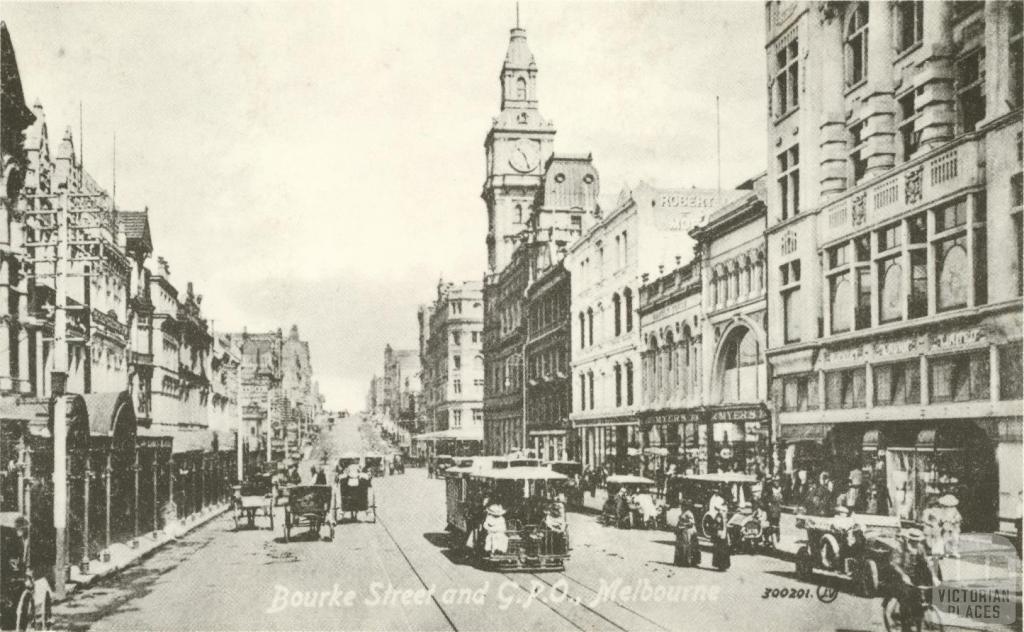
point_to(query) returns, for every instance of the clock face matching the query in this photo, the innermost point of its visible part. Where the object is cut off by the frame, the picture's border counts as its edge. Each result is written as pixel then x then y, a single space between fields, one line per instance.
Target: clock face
pixel 524 156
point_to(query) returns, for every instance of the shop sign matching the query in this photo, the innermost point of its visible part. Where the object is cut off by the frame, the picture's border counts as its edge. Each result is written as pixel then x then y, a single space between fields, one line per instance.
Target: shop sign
pixel 739 414
pixel 933 342
pixel 682 416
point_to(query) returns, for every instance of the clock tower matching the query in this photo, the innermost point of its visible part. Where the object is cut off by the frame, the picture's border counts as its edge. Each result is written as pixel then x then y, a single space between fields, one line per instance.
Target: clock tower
pixel 517 147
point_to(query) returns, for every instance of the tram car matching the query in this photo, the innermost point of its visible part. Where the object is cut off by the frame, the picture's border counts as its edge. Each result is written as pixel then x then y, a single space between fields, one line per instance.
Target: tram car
pixel 508 518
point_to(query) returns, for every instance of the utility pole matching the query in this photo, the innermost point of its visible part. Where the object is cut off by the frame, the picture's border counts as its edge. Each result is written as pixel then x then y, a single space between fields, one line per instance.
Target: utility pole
pixel 58 381
pixel 239 448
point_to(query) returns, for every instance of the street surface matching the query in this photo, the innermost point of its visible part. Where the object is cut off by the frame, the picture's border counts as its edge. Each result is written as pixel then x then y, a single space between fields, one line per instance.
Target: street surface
pixel 397 574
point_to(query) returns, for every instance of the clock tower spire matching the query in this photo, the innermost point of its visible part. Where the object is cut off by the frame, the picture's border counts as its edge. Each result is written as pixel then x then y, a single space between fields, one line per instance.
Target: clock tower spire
pixel 517 147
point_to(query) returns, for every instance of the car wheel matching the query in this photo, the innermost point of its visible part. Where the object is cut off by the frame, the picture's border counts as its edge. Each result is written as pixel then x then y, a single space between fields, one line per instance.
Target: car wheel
pixel 868 579
pixel 803 563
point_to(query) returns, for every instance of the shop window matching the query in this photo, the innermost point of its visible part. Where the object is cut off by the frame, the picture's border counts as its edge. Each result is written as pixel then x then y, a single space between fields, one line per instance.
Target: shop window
pixel 845 389
pixel 800 392
pixel 897 384
pixel 910 20
pixel 952 273
pixel 970 89
pixel 857 44
pixel 1011 377
pixel 960 378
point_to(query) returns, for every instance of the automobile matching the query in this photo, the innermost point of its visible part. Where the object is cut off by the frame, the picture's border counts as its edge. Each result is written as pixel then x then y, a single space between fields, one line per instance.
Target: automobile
pixel 858 548
pixel 692 492
pixel 573 470
pixel 634 517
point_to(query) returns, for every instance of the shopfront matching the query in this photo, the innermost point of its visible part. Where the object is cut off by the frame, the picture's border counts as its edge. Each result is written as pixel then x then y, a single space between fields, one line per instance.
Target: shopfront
pixel 728 438
pixel 612 443
pixel 898 467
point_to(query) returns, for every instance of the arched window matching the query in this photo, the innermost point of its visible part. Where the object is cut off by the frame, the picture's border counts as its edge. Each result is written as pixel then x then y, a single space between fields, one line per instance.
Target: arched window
pixel 841 303
pixel 583 331
pixel 519 213
pixel 521 89
pixel 627 294
pixel 952 286
pixel 617 307
pixel 590 325
pixel 857 43
pixel 740 367
pixel 746 277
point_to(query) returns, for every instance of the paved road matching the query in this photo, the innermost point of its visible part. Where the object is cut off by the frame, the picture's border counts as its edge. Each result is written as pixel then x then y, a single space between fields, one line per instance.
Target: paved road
pixel 397 574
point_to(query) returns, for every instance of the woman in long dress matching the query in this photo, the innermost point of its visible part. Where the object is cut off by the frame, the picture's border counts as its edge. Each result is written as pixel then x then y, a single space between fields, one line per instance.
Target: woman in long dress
pixel 496 540
pixel 687 549
pixel 720 556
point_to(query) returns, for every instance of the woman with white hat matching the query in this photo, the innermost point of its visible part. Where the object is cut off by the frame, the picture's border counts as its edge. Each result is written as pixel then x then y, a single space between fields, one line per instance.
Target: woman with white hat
pixel 496 540
pixel 949 524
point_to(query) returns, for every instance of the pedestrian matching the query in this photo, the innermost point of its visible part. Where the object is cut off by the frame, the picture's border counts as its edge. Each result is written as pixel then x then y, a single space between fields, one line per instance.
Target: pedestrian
pixel 932 528
pixel 687 551
pixel 321 477
pixel 949 524
pixel 496 540
pixel 720 553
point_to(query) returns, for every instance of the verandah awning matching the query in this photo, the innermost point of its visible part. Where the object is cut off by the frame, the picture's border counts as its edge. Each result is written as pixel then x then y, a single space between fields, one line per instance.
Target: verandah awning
pixel 797 433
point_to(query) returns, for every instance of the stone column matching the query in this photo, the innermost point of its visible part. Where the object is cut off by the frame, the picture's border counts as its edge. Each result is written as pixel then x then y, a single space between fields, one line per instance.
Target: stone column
pixel 832 175
pixel 880 113
pixel 935 78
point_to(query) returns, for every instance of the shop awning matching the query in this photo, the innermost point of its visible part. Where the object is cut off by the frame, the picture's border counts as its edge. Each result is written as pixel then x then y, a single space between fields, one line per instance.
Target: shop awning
pixel 797 433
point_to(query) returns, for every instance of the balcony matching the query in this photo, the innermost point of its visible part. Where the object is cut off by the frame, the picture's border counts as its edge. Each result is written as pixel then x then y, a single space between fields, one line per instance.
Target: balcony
pixel 918 183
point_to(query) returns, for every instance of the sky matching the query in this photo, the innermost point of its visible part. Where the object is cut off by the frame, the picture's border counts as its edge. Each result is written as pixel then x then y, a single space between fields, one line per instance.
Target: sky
pixel 321 164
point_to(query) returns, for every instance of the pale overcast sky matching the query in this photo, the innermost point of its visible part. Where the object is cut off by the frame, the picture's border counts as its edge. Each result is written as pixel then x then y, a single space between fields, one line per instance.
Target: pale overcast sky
pixel 321 163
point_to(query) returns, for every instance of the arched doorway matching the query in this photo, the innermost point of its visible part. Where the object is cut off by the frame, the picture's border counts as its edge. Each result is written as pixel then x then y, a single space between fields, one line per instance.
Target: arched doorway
pixel 740 368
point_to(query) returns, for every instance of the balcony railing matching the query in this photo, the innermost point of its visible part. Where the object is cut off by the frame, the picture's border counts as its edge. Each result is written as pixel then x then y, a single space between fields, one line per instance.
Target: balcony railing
pixel 915 184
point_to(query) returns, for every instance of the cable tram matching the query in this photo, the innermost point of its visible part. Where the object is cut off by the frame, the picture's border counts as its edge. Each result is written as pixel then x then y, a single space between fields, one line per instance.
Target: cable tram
pixel 508 518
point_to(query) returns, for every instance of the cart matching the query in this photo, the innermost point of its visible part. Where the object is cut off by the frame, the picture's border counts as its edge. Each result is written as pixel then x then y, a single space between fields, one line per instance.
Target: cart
pixel 308 506
pixel 355 496
pixel 252 497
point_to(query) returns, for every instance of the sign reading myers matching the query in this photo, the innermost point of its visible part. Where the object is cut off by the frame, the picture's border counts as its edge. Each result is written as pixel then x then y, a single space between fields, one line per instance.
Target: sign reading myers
pixel 683 416
pixel 754 413
pixel 929 342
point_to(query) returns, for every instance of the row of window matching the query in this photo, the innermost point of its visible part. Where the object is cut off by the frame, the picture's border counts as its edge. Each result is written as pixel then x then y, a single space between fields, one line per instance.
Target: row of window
pixel 623 386
pixel 549 362
pixel 739 281
pixel 883 276
pixel 622 318
pixel 604 264
pixel 955 378
pixel 548 311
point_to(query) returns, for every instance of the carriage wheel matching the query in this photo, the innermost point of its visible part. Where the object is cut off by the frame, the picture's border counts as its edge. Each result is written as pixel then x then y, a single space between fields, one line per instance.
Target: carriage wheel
pixel 26 611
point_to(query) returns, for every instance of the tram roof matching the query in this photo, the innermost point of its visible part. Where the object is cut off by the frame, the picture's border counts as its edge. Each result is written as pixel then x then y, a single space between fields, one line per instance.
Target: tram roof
pixel 629 479
pixel 721 477
pixel 522 473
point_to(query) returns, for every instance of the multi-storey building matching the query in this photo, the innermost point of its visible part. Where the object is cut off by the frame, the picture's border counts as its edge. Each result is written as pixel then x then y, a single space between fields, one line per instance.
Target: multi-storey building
pixel 646 231
pixel 298 388
pixel 503 337
pixel 261 376
pixel 456 364
pixel 548 349
pixel 671 412
pixel 894 235
pixel 401 383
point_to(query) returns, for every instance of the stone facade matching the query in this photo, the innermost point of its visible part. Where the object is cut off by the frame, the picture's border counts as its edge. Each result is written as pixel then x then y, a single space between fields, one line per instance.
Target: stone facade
pixel 894 241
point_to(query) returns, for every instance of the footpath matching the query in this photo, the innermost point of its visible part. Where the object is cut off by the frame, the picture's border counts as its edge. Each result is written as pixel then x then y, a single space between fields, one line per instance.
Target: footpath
pixel 122 555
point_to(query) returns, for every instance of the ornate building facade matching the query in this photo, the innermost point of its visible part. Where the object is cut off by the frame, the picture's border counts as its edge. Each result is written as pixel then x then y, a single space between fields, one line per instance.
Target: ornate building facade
pixel 894 241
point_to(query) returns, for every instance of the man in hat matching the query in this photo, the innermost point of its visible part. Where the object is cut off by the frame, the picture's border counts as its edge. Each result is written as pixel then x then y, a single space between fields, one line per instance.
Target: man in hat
pixel 496 540
pixel 949 524
pixel 913 573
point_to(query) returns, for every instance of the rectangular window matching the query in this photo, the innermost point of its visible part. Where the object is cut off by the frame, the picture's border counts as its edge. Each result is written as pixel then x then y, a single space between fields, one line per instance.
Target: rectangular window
pixel 457 386
pixel 456 338
pixel 478 415
pixel 862 312
pixel 791 316
pixel 889 237
pixel 787 80
pixel 476 336
pixel 951 215
pixel 857 155
pixel 800 392
pixel 789 181
pixel 917 300
pixel 457 418
pixel 910 140
pixel 970 89
pixel 960 378
pixel 845 389
pixel 897 384
pixel 1011 378
pixel 457 362
pixel 629 384
pixel 840 302
pixel 839 256
pixel 910 16
pixel 577 223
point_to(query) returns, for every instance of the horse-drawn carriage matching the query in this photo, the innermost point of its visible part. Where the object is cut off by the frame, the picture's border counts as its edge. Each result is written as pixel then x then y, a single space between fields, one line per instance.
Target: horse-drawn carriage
pixel 308 506
pixel 374 463
pixel 508 518
pixel 254 496
pixel 354 496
